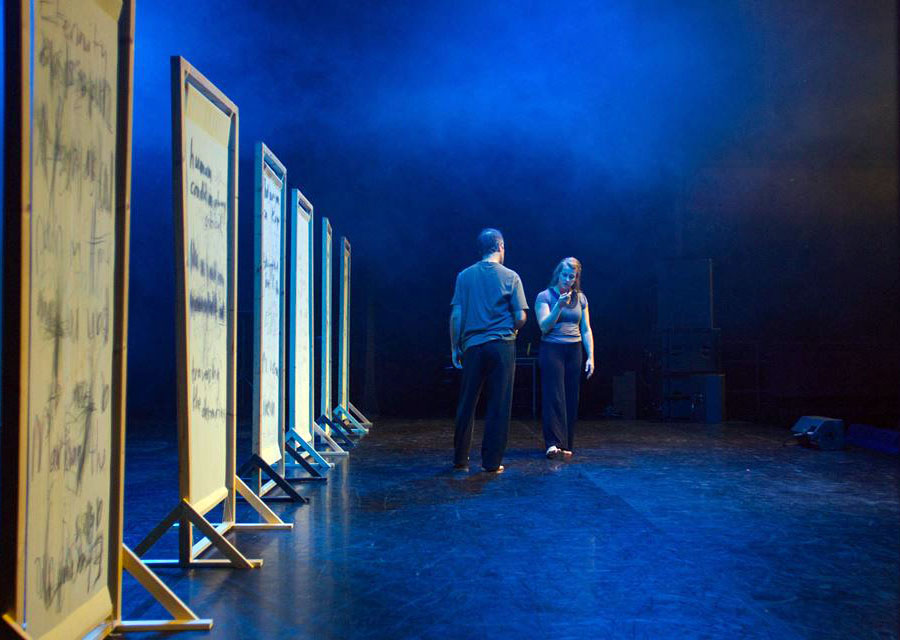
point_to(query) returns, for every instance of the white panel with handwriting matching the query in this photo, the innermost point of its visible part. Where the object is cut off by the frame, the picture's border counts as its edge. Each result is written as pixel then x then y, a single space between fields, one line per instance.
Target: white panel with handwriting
pixel 70 350
pixel 206 132
pixel 272 289
pixel 302 303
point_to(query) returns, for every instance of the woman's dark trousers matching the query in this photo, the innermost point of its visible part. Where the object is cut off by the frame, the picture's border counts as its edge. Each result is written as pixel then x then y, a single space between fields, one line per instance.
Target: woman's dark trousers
pixel 560 384
pixel 493 363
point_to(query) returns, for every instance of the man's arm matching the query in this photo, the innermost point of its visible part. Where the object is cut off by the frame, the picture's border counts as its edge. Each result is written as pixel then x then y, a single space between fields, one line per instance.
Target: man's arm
pixel 518 304
pixel 455 328
pixel 519 319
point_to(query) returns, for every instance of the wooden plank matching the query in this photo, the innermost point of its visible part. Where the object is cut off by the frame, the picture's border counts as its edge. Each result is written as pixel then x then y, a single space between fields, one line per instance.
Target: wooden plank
pixel 120 330
pixel 203 544
pixel 307 446
pixel 334 448
pixel 11 628
pixel 218 540
pixel 165 626
pixel 360 417
pixel 156 533
pixel 184 618
pixel 16 254
pixel 271 518
pixel 230 510
pixel 182 337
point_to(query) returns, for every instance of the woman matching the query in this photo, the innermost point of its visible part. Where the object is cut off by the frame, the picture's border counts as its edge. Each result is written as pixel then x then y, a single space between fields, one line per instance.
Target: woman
pixel 562 313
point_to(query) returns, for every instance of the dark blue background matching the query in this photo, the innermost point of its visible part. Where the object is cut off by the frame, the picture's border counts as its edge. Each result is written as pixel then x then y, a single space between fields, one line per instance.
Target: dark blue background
pixel 761 134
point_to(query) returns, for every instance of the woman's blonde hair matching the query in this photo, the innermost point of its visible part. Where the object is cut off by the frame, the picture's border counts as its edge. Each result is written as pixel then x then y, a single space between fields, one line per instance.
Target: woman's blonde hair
pixel 575 265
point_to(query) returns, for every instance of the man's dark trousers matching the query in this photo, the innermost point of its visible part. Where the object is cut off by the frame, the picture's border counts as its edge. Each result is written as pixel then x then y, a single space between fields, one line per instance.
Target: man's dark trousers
pixel 494 363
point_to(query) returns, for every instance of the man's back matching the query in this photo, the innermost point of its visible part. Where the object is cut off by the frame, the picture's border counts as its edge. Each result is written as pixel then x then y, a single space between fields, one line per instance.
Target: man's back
pixel 488 295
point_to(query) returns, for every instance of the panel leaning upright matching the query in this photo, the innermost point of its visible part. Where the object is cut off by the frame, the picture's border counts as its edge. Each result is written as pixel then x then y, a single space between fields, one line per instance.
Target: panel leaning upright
pixel 327 426
pixel 350 416
pixel 65 325
pixel 269 373
pixel 204 173
pixel 302 429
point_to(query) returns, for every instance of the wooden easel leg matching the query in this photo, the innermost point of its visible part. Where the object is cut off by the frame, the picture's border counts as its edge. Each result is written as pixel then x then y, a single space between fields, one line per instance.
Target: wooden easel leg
pixel 183 516
pixel 355 427
pixel 334 449
pixel 227 549
pixel 246 468
pixel 272 521
pixel 335 423
pixel 279 480
pixel 157 532
pixel 338 430
pixel 363 420
pixel 315 476
pixel 12 629
pixel 257 464
pixel 184 618
pixel 300 443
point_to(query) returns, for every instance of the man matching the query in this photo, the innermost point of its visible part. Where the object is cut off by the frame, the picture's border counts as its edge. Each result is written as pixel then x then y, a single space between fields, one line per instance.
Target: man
pixel 488 308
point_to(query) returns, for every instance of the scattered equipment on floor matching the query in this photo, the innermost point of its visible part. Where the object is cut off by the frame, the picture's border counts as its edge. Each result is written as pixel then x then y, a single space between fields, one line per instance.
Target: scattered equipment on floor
pixel 820 432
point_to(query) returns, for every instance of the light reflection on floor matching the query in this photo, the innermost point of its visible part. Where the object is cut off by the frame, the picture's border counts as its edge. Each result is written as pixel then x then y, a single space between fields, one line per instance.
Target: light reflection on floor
pixel 651 531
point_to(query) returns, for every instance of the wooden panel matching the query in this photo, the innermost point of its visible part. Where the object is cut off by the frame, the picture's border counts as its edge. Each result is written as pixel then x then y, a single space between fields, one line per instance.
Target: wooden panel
pixel 205 174
pixel 325 393
pixel 268 318
pixel 65 301
pixel 16 254
pixel 343 398
pixel 301 320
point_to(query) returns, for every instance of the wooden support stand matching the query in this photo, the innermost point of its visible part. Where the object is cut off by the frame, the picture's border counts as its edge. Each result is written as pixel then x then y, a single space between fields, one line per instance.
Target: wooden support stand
pixel 12 628
pixel 363 420
pixel 276 480
pixel 340 432
pixel 299 461
pixel 184 516
pixel 301 446
pixel 349 421
pixel 334 449
pixel 183 618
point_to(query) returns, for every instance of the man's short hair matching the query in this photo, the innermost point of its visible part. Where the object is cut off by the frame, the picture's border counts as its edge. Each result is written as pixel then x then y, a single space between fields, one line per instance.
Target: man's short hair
pixel 489 241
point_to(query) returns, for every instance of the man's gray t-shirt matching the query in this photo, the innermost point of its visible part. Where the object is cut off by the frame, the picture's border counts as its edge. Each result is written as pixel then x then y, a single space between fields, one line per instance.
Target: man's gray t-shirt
pixel 488 295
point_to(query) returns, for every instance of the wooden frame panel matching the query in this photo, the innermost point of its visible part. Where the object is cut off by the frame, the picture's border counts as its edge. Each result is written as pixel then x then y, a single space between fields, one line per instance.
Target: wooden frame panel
pixel 325 383
pixel 16 254
pixel 186 82
pixel 301 420
pixel 345 411
pixel 215 128
pixel 343 395
pixel 120 331
pixel 268 443
pixel 67 142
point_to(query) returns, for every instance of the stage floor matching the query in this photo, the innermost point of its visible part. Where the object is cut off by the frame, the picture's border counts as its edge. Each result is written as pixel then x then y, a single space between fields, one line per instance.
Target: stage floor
pixel 652 530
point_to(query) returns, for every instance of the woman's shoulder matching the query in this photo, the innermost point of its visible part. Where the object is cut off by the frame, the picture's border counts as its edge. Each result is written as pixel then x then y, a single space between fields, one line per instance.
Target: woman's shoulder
pixel 543 296
pixel 582 298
